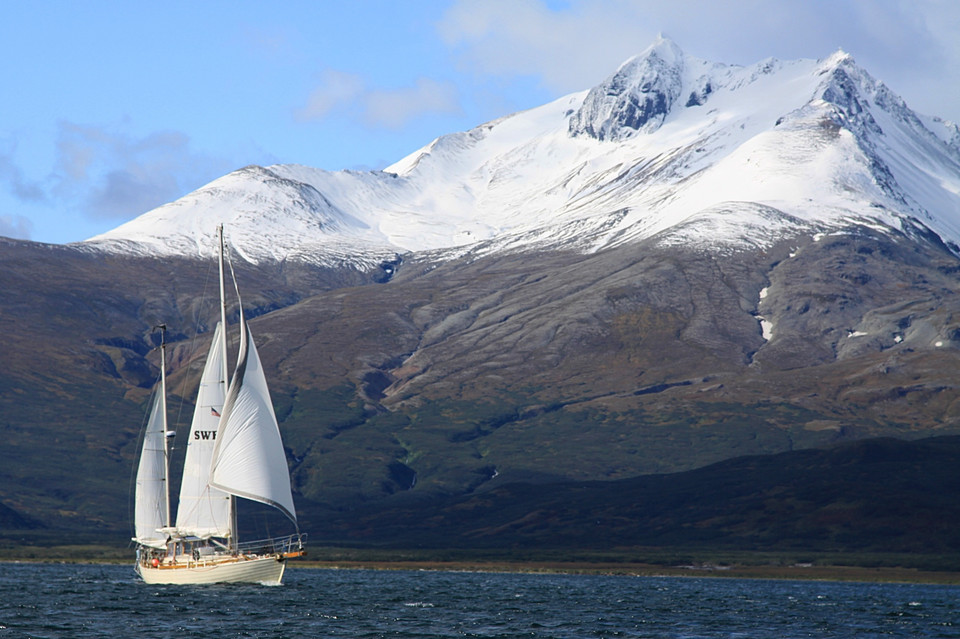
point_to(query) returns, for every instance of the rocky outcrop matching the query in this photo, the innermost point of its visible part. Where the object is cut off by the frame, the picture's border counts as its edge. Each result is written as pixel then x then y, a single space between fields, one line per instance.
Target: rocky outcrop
pixel 638 96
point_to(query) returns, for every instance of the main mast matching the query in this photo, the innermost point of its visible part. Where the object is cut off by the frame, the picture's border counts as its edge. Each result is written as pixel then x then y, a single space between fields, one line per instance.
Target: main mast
pixel 163 411
pixel 223 307
pixel 225 372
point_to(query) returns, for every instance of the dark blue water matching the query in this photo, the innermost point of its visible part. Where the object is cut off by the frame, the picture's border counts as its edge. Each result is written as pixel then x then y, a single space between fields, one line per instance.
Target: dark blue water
pixel 108 601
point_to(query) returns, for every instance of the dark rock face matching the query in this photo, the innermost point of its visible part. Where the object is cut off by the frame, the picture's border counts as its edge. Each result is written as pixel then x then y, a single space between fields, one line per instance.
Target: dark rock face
pixel 699 97
pixel 638 95
pixel 845 92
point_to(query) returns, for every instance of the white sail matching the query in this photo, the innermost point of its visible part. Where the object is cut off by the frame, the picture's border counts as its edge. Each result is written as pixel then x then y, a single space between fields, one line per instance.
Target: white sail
pixel 204 511
pixel 151 508
pixel 248 460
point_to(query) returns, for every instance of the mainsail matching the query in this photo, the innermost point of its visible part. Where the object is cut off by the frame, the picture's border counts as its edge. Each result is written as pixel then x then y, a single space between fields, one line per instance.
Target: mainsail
pixel 248 460
pixel 204 511
pixel 151 505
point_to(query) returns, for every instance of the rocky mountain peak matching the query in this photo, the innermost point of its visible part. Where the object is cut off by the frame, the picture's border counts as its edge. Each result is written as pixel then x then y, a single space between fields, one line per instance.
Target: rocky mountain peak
pixel 850 90
pixel 637 96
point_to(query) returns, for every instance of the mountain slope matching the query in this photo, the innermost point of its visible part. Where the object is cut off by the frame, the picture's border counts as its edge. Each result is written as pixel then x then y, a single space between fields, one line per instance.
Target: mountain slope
pixel 878 495
pixel 633 360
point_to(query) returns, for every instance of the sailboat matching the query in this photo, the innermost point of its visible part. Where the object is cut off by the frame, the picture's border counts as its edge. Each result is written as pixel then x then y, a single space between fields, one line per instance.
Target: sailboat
pixel 234 450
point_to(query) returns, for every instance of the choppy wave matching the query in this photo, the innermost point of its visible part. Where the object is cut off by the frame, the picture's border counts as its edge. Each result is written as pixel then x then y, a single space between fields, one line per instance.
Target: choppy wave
pixel 39 600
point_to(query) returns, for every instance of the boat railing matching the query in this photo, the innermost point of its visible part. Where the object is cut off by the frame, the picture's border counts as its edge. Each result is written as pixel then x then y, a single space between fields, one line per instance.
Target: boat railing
pixel 274 546
pixel 189 556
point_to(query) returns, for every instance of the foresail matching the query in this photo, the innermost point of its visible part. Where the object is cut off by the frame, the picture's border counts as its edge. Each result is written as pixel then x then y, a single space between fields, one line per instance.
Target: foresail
pixel 204 511
pixel 150 510
pixel 248 460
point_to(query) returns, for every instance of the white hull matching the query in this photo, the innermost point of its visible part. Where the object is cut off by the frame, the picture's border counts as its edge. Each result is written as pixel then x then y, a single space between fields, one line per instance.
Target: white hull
pixel 267 570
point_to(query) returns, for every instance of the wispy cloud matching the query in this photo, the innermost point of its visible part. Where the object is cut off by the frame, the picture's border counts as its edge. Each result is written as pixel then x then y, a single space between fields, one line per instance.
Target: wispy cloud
pixel 19 186
pixel 23 190
pixel 569 46
pixel 115 175
pixel 337 91
pixel 394 108
pixel 274 41
pixel 15 226
pixel 345 93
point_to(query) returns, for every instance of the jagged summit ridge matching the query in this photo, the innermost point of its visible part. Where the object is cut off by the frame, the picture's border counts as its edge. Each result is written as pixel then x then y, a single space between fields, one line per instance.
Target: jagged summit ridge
pixel 667 144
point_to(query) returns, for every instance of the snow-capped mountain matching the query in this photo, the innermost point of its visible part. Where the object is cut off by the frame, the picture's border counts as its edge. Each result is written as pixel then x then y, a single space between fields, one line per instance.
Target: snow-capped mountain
pixel 701 153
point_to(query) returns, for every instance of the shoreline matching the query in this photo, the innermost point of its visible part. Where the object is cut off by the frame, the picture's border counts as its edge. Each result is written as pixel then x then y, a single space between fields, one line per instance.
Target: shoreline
pixel 636 569
pixel 795 572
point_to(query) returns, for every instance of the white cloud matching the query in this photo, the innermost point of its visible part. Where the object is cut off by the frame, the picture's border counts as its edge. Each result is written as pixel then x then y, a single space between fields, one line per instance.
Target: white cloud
pixel 344 93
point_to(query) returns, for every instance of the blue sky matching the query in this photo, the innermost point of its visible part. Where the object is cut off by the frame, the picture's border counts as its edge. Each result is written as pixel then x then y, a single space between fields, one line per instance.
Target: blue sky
pixel 110 109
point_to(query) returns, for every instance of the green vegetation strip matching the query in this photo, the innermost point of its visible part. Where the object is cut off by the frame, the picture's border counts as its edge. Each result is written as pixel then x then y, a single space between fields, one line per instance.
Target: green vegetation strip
pixel 865 567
